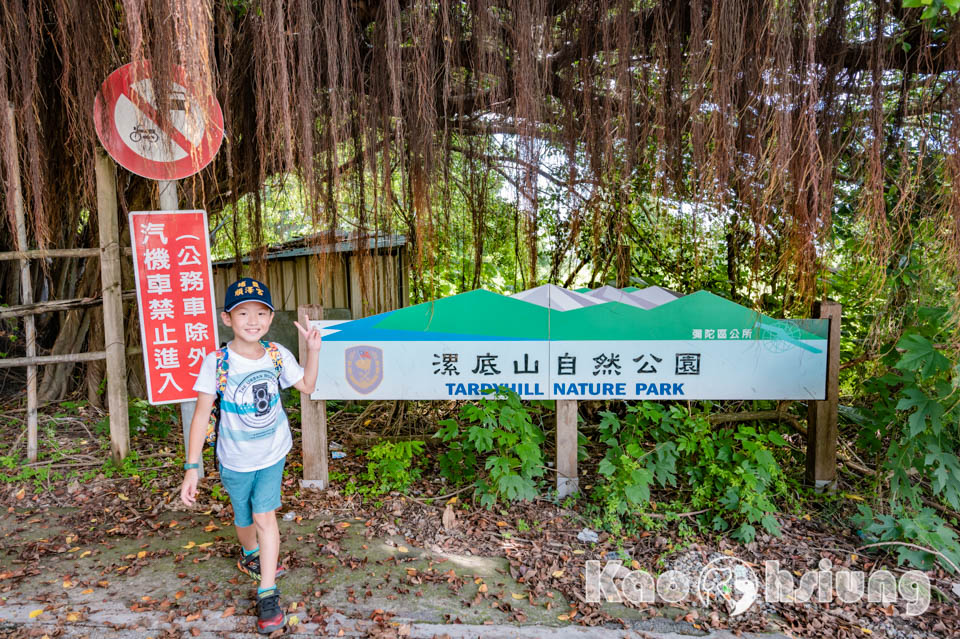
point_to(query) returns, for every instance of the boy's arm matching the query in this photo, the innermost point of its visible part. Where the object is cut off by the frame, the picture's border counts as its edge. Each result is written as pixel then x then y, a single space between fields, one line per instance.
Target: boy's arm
pixel 198 432
pixel 198 426
pixel 309 379
pixel 313 339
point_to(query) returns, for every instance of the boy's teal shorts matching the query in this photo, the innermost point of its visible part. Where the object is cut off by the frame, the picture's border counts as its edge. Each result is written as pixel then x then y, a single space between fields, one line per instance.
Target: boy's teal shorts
pixel 255 492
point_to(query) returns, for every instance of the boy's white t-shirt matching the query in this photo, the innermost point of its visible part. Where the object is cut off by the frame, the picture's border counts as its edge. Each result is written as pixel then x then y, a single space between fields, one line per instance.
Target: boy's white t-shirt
pixel 254 432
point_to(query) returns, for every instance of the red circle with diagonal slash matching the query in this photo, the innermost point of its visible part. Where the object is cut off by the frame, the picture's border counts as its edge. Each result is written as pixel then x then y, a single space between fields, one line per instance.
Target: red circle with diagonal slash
pixel 125 116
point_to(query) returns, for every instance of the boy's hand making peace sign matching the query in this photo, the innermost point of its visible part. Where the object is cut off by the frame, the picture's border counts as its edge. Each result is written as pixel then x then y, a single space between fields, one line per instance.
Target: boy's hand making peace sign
pixel 310 335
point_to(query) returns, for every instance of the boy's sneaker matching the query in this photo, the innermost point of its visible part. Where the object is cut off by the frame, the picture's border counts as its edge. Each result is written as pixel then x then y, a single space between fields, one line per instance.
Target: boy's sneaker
pixel 270 615
pixel 250 565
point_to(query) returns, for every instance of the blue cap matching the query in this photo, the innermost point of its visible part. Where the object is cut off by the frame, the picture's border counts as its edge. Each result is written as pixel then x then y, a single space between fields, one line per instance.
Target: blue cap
pixel 247 290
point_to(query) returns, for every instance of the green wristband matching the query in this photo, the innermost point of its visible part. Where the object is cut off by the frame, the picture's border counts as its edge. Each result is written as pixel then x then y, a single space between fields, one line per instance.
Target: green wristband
pixel 188 466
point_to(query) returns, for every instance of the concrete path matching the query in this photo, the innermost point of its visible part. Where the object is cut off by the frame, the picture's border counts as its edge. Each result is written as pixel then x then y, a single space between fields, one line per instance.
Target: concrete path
pixel 114 622
pixel 177 579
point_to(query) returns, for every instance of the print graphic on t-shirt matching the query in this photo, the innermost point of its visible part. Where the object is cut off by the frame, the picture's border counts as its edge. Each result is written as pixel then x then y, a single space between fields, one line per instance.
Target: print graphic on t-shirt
pixel 256 399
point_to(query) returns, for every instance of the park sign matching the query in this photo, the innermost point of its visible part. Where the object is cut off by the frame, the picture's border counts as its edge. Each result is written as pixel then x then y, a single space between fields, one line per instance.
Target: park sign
pixel 125 114
pixel 178 321
pixel 552 343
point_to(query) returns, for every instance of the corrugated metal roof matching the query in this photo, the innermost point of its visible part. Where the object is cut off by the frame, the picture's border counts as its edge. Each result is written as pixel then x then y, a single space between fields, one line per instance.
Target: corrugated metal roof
pixel 345 244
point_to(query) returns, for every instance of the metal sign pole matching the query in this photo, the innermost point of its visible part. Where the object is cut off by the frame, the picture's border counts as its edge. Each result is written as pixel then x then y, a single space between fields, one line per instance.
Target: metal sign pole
pixel 170 202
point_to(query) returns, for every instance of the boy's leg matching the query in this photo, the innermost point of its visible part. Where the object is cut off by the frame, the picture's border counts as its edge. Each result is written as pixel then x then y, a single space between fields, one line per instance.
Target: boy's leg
pixel 247 536
pixel 268 536
pixel 240 486
pixel 264 501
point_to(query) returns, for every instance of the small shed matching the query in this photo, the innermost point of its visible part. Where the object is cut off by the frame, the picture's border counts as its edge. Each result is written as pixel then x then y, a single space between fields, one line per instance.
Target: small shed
pixel 362 275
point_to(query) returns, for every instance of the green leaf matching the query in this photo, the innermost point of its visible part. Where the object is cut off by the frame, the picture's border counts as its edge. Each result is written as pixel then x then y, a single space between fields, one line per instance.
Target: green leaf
pixel 910 4
pixel 639 491
pixel 480 437
pixel 776 438
pixel 921 356
pixel 926 408
pixel 515 487
pixel 606 468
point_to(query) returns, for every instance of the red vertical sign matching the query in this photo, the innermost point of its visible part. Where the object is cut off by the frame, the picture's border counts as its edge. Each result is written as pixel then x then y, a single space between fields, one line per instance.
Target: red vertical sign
pixel 178 322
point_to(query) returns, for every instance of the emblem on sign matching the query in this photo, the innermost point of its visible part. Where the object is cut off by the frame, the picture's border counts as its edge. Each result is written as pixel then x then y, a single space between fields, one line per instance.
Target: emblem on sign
pixel 364 367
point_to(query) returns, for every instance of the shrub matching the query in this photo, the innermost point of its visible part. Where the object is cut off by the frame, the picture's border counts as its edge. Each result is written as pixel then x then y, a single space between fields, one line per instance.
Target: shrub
pixel 499 432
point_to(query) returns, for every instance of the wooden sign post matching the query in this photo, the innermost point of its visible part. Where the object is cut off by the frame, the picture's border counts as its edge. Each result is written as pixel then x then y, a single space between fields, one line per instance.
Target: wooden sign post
pixel 313 420
pixel 567 481
pixel 822 415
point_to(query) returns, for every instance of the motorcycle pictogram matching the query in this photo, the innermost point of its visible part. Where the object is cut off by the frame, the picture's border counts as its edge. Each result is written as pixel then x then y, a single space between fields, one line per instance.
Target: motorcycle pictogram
pixel 143 133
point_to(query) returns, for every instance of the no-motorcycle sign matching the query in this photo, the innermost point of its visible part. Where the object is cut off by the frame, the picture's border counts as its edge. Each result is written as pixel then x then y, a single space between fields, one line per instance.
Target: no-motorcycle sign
pixel 133 133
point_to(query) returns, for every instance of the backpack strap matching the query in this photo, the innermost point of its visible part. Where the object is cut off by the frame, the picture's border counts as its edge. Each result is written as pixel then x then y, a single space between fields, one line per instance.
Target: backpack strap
pixel 275 356
pixel 223 367
pixel 213 425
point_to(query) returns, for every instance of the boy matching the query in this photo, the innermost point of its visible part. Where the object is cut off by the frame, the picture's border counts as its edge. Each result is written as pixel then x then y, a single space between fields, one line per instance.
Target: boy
pixel 254 435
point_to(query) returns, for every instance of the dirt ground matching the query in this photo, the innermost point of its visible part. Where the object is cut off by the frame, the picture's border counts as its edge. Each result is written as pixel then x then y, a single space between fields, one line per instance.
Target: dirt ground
pixel 102 551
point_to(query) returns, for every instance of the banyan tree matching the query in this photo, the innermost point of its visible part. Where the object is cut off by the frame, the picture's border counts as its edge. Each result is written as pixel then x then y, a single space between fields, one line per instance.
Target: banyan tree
pixel 654 124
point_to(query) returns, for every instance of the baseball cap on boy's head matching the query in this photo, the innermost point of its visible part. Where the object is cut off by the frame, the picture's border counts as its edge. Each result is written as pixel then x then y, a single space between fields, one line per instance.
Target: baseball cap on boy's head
pixel 246 290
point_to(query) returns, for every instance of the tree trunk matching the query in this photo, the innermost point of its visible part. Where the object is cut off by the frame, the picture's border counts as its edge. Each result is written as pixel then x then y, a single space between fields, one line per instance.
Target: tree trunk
pixel 71 338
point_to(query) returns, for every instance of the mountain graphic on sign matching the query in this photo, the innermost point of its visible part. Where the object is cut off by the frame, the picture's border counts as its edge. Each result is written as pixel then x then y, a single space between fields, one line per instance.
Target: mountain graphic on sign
pixel 483 315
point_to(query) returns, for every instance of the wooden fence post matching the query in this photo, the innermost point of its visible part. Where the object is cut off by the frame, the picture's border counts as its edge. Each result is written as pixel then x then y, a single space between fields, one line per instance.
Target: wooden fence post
pixel 313 420
pixel 112 306
pixel 822 415
pixel 26 285
pixel 567 481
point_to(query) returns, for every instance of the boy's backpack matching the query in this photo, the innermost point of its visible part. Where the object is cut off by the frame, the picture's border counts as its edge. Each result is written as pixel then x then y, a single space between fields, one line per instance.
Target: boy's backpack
pixel 213 426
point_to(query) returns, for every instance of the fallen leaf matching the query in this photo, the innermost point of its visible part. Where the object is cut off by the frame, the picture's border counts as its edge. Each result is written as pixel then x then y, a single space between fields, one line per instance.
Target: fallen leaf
pixel 482 588
pixel 578 552
pixel 122 497
pixel 36 613
pixel 563 617
pixel 88 591
pixel 141 554
pixel 73 616
pixel 205 544
pixel 192 617
pixel 293 620
pixel 84 554
pixel 228 612
pixel 449 518
pixel 179 594
pixel 403 549
pixel 557 574
pixel 517 595
pixel 451 501
pixel 189 545
pixel 502 524
pixel 344 524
